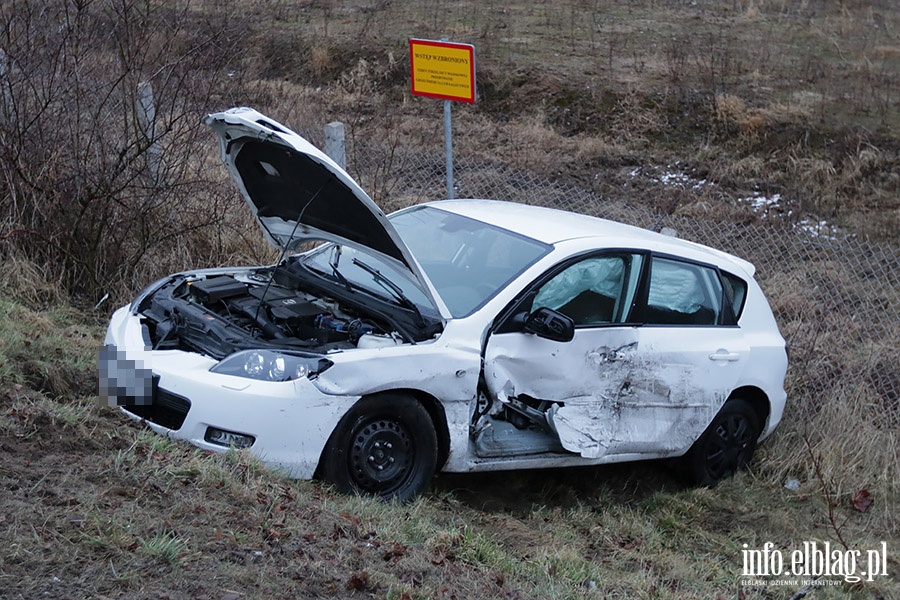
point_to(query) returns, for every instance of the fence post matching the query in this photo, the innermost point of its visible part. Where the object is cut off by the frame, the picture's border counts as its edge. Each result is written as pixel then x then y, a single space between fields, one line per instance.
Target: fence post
pixel 5 95
pixel 146 113
pixel 334 143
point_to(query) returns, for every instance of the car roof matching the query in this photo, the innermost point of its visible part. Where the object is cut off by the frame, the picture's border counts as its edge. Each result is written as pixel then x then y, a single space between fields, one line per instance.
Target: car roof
pixel 554 226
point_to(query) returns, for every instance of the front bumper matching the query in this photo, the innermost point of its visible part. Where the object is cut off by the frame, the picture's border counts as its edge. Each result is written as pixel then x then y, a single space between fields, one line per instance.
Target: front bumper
pixel 176 395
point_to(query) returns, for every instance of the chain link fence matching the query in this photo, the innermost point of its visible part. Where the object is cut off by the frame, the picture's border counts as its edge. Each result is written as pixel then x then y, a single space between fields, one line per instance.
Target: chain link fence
pixel 836 299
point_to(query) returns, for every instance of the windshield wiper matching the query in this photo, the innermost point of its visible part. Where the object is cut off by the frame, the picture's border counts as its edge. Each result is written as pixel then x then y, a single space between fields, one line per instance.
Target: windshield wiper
pixel 391 287
pixel 333 263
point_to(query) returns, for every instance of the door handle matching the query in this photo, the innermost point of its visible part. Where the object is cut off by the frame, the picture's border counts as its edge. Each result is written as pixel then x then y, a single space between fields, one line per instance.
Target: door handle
pixel 725 355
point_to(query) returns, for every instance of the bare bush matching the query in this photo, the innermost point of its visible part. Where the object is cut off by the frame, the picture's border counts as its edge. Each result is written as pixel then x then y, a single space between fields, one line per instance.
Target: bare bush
pixel 99 173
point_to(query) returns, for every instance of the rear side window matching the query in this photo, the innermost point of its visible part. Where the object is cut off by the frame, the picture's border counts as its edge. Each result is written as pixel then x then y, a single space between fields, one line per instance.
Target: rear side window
pixel 683 293
pixel 735 293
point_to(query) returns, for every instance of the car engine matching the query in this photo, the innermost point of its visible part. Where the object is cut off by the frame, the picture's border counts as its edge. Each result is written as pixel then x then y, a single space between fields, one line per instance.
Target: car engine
pixel 220 314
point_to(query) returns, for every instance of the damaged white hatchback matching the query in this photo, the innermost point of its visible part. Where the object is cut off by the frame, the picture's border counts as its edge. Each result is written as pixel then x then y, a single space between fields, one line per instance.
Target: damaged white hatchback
pixel 453 336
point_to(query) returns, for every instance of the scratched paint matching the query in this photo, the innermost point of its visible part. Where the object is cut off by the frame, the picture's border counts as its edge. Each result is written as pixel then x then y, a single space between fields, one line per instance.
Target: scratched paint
pixel 631 390
pixel 450 374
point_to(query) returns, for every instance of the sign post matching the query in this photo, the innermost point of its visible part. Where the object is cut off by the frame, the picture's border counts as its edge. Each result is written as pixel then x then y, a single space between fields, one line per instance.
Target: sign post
pixel 446 71
pixel 448 149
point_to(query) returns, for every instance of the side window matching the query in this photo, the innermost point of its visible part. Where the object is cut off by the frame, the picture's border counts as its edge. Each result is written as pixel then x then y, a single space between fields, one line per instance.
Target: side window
pixel 735 293
pixel 594 291
pixel 682 294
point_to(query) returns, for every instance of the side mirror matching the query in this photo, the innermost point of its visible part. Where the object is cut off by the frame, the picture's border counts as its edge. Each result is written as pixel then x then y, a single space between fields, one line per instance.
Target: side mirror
pixel 550 324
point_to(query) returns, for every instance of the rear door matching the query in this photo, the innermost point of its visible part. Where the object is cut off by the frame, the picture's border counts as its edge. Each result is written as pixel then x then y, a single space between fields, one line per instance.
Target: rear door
pixel 691 354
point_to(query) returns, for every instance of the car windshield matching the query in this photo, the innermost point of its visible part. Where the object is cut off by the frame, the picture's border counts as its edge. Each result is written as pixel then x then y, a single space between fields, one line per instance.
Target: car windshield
pixel 467 261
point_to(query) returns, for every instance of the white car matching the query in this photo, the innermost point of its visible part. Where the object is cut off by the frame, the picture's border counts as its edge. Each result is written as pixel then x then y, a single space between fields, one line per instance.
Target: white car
pixel 455 336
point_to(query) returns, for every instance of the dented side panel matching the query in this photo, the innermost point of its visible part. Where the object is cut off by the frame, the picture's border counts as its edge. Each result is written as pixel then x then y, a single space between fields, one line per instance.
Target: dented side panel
pixel 622 390
pixel 585 377
pixel 697 368
pixel 449 374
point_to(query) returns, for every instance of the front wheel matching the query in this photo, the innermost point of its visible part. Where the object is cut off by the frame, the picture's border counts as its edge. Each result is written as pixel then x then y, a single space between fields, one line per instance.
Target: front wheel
pixel 384 446
pixel 726 446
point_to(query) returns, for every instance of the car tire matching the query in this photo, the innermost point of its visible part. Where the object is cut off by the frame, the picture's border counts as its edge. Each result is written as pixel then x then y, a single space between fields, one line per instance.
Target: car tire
pixel 726 446
pixel 385 446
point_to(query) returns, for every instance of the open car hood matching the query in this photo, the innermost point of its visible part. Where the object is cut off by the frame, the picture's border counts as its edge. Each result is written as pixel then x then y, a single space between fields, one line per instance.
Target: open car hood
pixel 299 194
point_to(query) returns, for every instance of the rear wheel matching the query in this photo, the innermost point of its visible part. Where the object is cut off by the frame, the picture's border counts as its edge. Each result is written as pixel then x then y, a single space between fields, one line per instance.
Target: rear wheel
pixel 726 446
pixel 384 446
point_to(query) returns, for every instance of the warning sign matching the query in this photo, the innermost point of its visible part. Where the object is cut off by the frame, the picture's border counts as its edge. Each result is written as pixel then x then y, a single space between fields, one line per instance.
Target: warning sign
pixel 444 70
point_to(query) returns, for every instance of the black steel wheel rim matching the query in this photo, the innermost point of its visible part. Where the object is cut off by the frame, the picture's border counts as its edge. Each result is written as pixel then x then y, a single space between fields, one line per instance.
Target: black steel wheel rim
pixel 729 446
pixel 381 455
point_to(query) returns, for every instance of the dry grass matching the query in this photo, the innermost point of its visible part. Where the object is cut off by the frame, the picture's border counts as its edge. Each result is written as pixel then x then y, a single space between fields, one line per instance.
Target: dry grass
pixel 807 97
pixel 128 513
pixel 575 89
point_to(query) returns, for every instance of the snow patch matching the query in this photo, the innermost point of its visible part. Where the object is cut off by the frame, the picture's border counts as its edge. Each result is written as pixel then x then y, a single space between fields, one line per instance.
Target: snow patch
pixel 772 207
pixel 673 176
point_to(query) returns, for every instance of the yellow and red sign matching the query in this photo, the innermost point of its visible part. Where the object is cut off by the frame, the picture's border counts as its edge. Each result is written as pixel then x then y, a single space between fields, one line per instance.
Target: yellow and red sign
pixel 444 70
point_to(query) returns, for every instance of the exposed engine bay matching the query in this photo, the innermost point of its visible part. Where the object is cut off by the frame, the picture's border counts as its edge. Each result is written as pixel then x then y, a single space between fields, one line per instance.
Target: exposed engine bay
pixel 284 307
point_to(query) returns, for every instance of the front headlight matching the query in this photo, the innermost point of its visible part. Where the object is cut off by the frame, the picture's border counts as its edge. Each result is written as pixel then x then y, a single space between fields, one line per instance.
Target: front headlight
pixel 269 365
